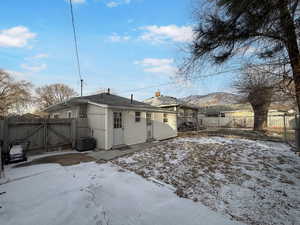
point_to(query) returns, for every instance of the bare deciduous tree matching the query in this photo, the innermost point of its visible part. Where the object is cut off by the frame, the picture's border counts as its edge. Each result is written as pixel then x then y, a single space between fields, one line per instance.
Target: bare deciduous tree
pixel 258 86
pixel 226 26
pixel 14 95
pixel 53 94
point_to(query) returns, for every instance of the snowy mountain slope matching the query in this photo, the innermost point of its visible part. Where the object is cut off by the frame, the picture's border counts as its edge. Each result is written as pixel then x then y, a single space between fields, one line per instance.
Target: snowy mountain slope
pixel 217 98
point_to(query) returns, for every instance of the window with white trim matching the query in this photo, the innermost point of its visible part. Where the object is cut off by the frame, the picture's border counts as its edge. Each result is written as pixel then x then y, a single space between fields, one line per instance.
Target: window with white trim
pixel 69 114
pixel 118 120
pixel 166 118
pixel 137 117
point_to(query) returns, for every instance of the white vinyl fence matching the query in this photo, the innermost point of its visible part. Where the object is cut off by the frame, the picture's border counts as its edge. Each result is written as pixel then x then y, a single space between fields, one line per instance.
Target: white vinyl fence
pixel 274 121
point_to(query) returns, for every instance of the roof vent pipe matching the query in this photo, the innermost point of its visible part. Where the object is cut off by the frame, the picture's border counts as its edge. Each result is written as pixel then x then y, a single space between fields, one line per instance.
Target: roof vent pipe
pixel 131 98
pixel 108 91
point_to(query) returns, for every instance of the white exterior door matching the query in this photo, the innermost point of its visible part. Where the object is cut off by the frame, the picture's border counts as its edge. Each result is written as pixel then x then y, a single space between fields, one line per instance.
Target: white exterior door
pixel 118 132
pixel 149 123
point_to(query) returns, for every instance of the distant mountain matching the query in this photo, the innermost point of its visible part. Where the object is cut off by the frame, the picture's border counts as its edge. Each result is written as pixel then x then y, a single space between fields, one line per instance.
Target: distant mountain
pixel 217 98
pixel 214 102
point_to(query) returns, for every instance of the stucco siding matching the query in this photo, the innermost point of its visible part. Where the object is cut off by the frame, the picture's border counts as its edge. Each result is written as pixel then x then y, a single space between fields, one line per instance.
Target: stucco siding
pixel 100 121
pixel 63 114
pixel 134 132
pixel 97 119
pixel 162 130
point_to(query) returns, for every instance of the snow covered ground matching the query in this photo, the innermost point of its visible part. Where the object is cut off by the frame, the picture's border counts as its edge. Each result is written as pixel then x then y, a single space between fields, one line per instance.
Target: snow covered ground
pixel 254 182
pixel 91 193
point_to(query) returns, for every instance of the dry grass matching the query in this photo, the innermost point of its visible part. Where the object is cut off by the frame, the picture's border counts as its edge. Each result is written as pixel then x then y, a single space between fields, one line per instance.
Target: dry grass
pixel 217 175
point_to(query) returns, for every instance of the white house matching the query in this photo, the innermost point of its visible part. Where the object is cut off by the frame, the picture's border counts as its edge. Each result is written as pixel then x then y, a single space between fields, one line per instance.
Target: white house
pixel 115 121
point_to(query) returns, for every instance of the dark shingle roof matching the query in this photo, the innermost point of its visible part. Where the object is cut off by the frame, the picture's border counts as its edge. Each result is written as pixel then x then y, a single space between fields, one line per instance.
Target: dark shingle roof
pixel 112 100
pixel 105 99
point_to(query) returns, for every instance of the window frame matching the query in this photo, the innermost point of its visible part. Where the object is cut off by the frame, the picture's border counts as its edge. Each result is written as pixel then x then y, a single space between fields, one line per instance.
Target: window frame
pixel 149 119
pixel 70 113
pixel 165 118
pixel 117 120
pixel 137 118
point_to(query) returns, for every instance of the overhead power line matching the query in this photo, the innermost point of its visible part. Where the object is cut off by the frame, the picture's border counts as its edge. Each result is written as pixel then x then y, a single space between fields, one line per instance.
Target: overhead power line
pixel 76 47
pixel 201 76
pixel 188 79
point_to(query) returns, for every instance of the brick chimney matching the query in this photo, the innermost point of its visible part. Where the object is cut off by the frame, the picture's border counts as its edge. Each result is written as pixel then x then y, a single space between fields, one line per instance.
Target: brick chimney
pixel 157 94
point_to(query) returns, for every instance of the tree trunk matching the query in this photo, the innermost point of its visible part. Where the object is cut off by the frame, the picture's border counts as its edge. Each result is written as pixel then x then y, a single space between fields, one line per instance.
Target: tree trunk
pixel 290 40
pixel 260 117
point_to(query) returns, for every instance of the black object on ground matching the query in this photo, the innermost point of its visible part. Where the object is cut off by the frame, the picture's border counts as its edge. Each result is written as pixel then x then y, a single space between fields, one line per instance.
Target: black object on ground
pixel 85 144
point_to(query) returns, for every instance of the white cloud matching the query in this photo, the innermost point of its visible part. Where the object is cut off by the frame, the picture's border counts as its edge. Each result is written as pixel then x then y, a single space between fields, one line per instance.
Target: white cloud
pixel 159 34
pixel 113 4
pixel 39 56
pixel 16 37
pixel 34 68
pixel 159 66
pixel 118 38
pixel 77 1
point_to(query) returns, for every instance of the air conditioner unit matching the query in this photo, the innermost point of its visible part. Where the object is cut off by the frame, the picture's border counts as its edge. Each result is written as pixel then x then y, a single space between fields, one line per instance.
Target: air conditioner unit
pixel 85 144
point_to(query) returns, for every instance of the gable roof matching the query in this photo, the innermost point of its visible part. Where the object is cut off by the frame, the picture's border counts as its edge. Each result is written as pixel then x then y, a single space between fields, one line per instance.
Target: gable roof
pixel 114 100
pixel 168 101
pixel 102 99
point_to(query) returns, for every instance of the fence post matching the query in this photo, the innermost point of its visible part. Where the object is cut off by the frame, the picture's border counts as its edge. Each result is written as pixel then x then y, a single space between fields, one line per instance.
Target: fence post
pixel 73 132
pixel 284 126
pixel 46 134
pixel 297 134
pixel 1 156
pixel 3 146
pixel 5 135
pixel 1 163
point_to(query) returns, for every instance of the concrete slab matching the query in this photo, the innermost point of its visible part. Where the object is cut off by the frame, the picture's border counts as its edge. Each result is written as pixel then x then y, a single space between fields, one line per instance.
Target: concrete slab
pixel 113 154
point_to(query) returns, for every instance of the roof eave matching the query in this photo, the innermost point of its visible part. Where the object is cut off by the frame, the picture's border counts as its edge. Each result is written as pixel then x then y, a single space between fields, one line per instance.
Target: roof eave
pixel 132 108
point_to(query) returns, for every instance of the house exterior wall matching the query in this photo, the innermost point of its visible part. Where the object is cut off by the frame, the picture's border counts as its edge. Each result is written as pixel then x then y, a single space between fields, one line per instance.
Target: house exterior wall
pixel 63 114
pixel 250 113
pixel 163 130
pixel 136 132
pixel 100 122
pixel 237 113
pixel 97 123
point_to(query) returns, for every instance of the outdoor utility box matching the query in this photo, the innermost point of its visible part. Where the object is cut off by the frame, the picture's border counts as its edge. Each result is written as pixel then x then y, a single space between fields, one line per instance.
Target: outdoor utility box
pixel 85 144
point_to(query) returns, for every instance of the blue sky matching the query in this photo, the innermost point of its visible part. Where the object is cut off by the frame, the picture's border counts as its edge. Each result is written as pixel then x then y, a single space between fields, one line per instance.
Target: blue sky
pixel 125 45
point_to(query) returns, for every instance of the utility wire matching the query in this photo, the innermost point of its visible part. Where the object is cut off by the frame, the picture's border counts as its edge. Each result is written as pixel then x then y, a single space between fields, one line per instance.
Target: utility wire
pixel 195 78
pixel 76 45
pixel 188 79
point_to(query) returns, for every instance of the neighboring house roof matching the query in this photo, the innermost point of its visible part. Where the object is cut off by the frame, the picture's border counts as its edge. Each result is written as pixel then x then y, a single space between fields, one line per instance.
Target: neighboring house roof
pixel 168 101
pixel 182 105
pixel 103 99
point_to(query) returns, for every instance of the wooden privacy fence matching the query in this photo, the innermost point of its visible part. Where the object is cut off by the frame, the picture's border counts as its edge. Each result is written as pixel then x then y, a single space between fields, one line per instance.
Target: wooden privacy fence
pixel 43 134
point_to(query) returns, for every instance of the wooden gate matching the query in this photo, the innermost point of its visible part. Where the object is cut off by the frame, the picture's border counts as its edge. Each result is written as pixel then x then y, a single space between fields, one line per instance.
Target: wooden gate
pixel 43 134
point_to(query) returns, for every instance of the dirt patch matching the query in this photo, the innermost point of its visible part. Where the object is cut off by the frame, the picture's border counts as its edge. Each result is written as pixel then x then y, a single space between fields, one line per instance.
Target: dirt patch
pixel 64 160
pixel 274 135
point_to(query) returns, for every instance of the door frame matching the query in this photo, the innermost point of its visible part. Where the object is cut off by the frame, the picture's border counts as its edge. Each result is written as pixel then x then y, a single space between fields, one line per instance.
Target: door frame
pixel 148 125
pixel 120 127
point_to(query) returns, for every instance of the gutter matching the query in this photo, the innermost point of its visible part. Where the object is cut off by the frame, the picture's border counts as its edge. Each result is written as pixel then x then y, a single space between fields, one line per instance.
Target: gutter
pixel 133 108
